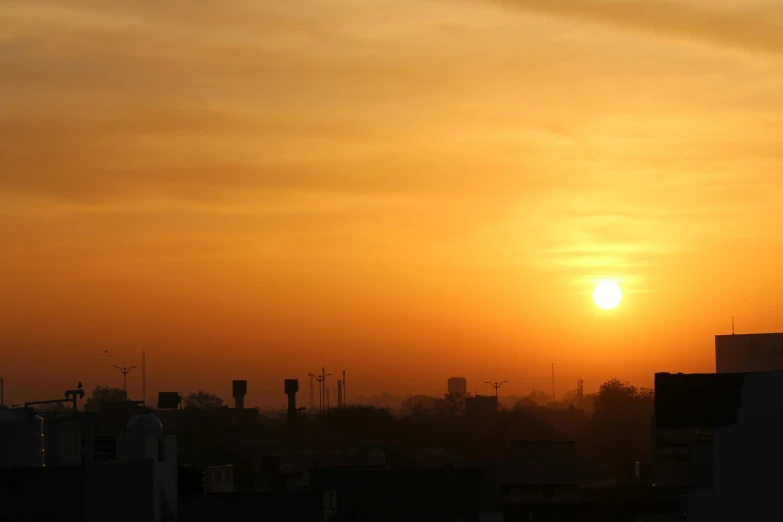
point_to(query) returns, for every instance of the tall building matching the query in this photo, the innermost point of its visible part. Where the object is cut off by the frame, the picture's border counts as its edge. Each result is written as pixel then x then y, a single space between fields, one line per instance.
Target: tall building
pixel 749 353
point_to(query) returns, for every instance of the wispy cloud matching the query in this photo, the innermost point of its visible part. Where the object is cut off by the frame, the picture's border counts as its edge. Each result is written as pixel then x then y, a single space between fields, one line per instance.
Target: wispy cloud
pixel 736 29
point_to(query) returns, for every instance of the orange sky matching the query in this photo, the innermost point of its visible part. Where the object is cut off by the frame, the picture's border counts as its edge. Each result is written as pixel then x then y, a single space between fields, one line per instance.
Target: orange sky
pixel 409 190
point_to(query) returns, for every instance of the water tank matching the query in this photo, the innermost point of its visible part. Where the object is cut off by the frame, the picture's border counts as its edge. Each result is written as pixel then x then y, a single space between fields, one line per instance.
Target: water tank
pixel 145 424
pixel 238 388
pixel 21 438
pixel 458 385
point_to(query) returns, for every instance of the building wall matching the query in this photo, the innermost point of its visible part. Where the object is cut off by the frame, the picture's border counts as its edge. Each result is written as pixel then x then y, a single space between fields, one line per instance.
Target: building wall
pixel 69 439
pixel 120 491
pixel 288 506
pixel 36 494
pixel 540 494
pixel 748 458
pixel 219 479
pixel 161 453
pixel 749 353
pixel 544 451
pixel 673 455
pixel 391 495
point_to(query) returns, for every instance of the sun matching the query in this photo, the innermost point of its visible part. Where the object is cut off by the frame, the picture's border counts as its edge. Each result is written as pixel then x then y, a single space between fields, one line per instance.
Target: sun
pixel 607 295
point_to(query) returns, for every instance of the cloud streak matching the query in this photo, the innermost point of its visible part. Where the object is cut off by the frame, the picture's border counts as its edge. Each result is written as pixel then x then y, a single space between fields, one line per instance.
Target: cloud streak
pixel 738 30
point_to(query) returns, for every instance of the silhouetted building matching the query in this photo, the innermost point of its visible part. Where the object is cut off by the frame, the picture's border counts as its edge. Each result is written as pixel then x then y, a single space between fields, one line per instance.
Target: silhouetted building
pixel 749 353
pixel 481 406
pixel 687 409
pixel 139 484
pixel 169 400
pixel 729 430
pixel 284 506
pixel 219 479
pixel 539 477
pixel 21 438
pixel 373 494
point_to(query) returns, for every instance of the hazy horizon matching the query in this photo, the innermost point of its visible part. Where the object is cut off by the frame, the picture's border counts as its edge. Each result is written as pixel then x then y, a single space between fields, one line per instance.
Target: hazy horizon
pixel 405 190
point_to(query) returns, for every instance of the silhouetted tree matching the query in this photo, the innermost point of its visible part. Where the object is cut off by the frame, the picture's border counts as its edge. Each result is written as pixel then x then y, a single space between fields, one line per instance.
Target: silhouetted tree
pixel 202 399
pixel 452 404
pixel 525 403
pixel 103 394
pixel 419 405
pixel 620 427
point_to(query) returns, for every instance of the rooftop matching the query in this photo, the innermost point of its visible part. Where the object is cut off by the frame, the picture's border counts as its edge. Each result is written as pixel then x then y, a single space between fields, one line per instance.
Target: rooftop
pixel 697 400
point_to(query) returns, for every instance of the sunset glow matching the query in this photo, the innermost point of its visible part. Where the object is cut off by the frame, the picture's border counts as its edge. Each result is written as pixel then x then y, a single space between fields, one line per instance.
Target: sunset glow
pixel 406 190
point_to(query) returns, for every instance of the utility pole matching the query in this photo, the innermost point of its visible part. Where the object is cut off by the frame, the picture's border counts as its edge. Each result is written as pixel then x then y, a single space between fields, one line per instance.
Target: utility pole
pixel 312 392
pixel 324 375
pixel 496 385
pixel 125 372
pixel 143 377
pixel 321 398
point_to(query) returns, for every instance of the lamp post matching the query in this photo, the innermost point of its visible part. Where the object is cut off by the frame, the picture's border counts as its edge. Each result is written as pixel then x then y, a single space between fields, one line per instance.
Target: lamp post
pixel 125 372
pixel 496 385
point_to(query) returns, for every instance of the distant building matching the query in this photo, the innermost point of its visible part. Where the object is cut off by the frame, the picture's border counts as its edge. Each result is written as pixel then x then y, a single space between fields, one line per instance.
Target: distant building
pixel 458 386
pixel 481 405
pixel 749 353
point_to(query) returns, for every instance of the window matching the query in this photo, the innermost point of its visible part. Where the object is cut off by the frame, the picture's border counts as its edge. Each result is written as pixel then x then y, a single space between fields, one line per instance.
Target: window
pixel 105 448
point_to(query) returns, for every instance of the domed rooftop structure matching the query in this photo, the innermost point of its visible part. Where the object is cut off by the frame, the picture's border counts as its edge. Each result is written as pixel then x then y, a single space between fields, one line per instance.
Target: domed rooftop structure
pixel 145 424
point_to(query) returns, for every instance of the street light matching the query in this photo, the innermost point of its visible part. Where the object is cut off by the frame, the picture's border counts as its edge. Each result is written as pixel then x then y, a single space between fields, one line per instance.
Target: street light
pixel 496 385
pixel 125 372
pixel 320 399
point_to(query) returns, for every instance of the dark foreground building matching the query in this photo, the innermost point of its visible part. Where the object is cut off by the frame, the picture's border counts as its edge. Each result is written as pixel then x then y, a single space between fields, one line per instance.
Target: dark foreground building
pixel 718 436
